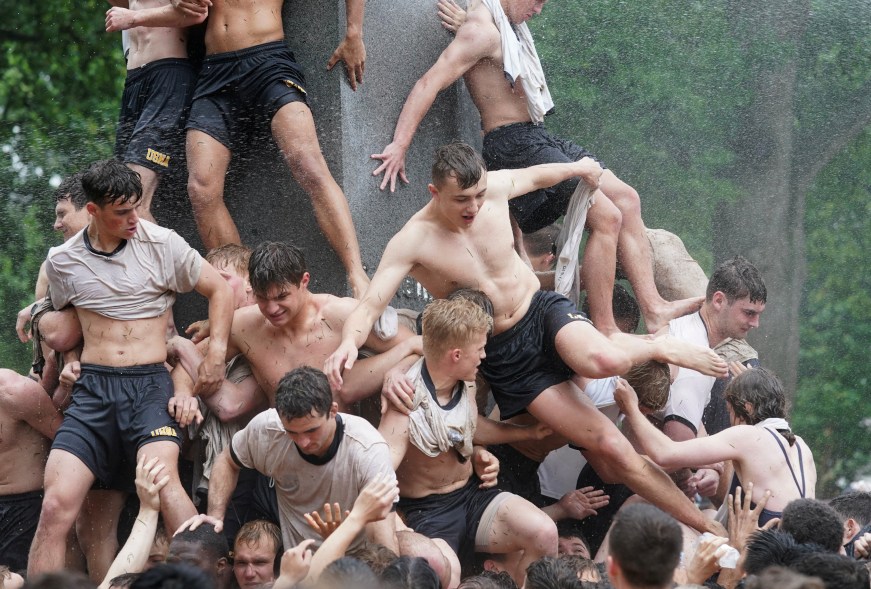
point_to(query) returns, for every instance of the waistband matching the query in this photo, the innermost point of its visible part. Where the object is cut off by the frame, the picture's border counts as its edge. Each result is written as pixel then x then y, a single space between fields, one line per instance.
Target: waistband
pixel 166 63
pixel 247 52
pixel 525 124
pixel 139 370
pixel 26 496
pixel 412 502
pixel 512 331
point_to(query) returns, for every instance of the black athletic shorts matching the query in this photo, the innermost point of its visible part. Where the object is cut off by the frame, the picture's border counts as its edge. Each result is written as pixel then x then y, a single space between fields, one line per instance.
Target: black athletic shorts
pixel 114 412
pixel 520 145
pixel 154 107
pixel 19 515
pixel 518 473
pixel 454 517
pixel 239 90
pixel 522 361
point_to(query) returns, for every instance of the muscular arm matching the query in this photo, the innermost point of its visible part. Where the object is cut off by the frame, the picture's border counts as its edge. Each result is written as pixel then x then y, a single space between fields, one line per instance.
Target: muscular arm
pixel 367 376
pixel 514 183
pixel 222 483
pixel 119 18
pixel 394 428
pixel 24 400
pixel 352 50
pixel 211 371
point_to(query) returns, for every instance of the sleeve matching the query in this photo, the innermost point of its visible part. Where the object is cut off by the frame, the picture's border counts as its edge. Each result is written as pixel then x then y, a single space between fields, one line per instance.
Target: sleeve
pixel 60 294
pixel 249 446
pixel 187 263
pixel 688 396
pixel 374 461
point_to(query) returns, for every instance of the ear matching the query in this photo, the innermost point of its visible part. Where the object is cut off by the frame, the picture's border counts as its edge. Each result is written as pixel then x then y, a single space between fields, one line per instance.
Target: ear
pixel 719 300
pixel 489 565
pixel 851 528
pixel 611 566
pixel 456 354
pixel 91 207
pixel 748 409
pixel 306 277
pixel 334 408
pixel 221 567
pixel 433 190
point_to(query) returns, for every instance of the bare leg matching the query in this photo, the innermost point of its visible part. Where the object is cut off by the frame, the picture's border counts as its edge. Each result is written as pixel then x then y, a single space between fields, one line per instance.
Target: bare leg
pixel 175 505
pixel 294 130
pixel 150 180
pixel 600 262
pixel 208 161
pixel 97 530
pixel 633 248
pixel 520 526
pixel 570 414
pixel 67 481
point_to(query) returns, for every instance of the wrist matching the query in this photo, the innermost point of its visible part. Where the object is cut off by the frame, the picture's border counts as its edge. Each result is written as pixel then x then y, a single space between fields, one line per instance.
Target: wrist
pixel 354 33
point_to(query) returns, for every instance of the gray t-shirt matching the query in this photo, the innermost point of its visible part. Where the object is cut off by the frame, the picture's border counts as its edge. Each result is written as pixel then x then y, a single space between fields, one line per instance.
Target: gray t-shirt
pixel 302 486
pixel 136 281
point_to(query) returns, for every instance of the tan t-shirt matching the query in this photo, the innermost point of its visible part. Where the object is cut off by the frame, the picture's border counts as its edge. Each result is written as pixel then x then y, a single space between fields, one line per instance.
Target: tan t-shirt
pixel 136 281
pixel 302 486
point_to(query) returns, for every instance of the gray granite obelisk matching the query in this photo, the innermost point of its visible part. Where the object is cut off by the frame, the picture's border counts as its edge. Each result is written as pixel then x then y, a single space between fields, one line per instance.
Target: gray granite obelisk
pixel 403 39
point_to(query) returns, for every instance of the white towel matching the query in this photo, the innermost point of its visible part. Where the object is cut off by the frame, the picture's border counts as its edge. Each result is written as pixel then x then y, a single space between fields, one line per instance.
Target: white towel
pixel 520 60
pixel 568 242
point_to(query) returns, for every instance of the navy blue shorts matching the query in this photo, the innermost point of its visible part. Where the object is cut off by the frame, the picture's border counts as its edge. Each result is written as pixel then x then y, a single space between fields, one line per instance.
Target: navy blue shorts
pixel 239 91
pixel 154 107
pixel 19 515
pixel 523 361
pixel 521 145
pixel 114 412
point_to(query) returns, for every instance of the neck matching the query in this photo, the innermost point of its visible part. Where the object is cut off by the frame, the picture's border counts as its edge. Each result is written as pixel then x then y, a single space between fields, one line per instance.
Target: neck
pixel 443 382
pixel 101 241
pixel 714 335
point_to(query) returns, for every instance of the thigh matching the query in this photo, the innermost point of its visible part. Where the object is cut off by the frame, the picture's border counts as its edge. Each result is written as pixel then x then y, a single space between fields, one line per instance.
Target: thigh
pixel 67 481
pixel 516 521
pixel 207 158
pixel 571 414
pixel 293 128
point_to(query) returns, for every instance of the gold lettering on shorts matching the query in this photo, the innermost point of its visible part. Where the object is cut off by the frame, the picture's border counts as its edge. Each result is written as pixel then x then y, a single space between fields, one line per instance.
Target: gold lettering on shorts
pixel 161 159
pixel 164 431
pixel 291 84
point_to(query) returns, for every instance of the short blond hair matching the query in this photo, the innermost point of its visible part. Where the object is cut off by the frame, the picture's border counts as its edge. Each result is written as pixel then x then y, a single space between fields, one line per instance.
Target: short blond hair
pixel 651 381
pixel 450 324
pixel 231 255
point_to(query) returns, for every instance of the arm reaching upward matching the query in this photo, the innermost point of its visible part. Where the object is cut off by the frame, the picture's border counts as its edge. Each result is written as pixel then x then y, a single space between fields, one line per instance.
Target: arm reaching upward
pixel 351 50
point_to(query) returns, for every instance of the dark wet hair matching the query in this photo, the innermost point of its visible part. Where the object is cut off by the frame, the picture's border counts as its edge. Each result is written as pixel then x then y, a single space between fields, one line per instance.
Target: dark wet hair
pixel 774 547
pixel 123 581
pixel 59 580
pixel 541 242
pixel 173 576
pixel 348 572
pixel 71 189
pixel 110 182
pixel 737 278
pixel 213 543
pixel 855 505
pixel 812 521
pixel 409 572
pixel 275 263
pixel 488 580
pixel 835 571
pixel 646 544
pixel 303 391
pixel 551 573
pixel 459 161
pixel 764 392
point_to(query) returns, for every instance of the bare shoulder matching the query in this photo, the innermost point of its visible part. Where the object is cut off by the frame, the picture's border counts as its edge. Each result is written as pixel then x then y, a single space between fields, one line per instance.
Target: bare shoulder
pixel 335 308
pixel 500 185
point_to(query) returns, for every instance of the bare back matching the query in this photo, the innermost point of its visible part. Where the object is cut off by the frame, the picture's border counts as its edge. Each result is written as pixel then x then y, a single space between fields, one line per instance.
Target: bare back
pixel 23 452
pixel 112 342
pixel 149 44
pixel 238 24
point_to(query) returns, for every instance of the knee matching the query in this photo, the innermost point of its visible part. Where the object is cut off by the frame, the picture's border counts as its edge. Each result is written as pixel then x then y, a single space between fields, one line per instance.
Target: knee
pixel 627 200
pixel 615 452
pixel 57 514
pixel 608 220
pixel 204 189
pixel 544 537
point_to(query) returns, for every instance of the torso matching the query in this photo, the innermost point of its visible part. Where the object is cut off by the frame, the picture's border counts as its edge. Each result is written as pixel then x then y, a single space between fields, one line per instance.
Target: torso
pixel 110 342
pixel 23 452
pixel 481 257
pixel 149 44
pixel 238 24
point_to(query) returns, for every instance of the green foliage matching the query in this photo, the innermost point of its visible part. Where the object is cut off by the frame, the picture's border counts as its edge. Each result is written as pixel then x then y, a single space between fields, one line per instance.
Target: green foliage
pixel 832 405
pixel 60 79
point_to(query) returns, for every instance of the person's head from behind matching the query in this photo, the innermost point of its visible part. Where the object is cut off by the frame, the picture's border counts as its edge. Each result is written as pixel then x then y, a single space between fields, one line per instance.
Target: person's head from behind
pixel 651 381
pixel 627 313
pixel 754 396
pixel 10 579
pixel 123 581
pixel 174 576
pixel 835 571
pixel 585 569
pixel 231 262
pixel 347 572
pixel 377 556
pixel 774 548
pixel 644 546
pixel 551 573
pixel 278 276
pixel 571 538
pixel 409 572
pixel 479 297
pixel 305 405
pixel 540 247
pixel 454 335
pixel 736 295
pixel 488 580
pixel 778 577
pixel 202 548
pixel 70 214
pixel 812 521
pixel 65 579
pixel 459 182
pixel 113 193
pixel 257 550
pixel 855 510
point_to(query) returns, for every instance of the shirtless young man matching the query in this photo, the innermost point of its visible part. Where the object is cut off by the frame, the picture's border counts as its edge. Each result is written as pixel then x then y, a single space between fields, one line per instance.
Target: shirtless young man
pixel 446 476
pixel 249 76
pixel 516 139
pixel 462 238
pixel 121 275
pixel 290 327
pixel 157 92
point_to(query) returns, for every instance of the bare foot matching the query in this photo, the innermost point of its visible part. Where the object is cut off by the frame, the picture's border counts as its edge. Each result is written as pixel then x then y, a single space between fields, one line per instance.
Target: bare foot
pixel 659 317
pixel 683 353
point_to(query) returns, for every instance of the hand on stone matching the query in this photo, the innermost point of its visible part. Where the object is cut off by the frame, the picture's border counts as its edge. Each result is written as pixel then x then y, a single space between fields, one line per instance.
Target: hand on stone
pixel 451 15
pixel 392 164
pixel 352 52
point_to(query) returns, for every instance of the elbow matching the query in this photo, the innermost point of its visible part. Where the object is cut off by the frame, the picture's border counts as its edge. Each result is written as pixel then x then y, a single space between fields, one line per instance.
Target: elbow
pixel 610 363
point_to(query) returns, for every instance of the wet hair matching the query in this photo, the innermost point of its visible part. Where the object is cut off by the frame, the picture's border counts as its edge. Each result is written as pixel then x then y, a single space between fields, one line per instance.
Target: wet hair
pixel 810 520
pixel 571 528
pixel 347 572
pixel 776 577
pixel 302 392
pixel 409 572
pixel 173 576
pixel 551 573
pixel 71 189
pixel 737 278
pixel 377 556
pixel 855 505
pixel 541 242
pixel 60 580
pixel 774 547
pixel 230 255
pixel 205 536
pixel 651 381
pixel 646 544
pixel 459 161
pixel 488 580
pixel 449 324
pixel 123 581
pixel 275 263
pixel 763 391
pixel 581 565
pixel 479 297
pixel 623 305
pixel 835 571
pixel 111 182
pixel 256 531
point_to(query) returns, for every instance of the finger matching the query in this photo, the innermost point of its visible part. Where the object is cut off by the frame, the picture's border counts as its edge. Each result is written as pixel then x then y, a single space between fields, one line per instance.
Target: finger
pixel 349 71
pixel 393 181
pixel 334 59
pixel 161 484
pixel 771 524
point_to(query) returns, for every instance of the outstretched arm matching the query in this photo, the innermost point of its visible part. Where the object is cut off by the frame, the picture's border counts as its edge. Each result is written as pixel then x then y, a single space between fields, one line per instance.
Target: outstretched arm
pixel 351 50
pixel 514 183
pixel 122 19
pixel 474 41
